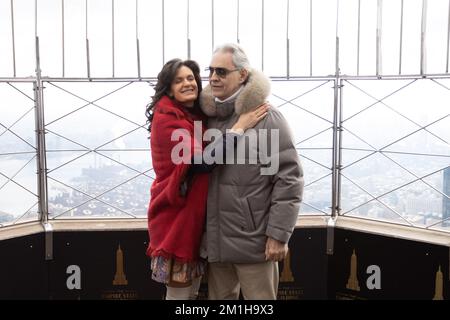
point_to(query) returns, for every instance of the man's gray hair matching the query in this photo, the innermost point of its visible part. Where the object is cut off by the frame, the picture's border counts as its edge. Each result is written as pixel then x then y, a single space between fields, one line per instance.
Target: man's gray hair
pixel 240 59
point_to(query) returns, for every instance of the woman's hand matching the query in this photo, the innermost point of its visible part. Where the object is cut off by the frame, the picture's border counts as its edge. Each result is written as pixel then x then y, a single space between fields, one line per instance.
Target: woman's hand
pixel 251 118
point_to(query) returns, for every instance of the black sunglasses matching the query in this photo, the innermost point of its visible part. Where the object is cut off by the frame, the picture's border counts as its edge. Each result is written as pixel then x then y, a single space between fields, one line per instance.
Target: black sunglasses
pixel 221 72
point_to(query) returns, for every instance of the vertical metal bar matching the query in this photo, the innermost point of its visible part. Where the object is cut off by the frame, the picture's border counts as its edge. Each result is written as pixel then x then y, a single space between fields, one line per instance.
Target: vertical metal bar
pixel 138 50
pixel 112 36
pixel 88 60
pixel 287 40
pixel 42 175
pixel 288 49
pixel 40 154
pixel 330 236
pixel 188 32
pixel 310 37
pixel 401 40
pixel 39 132
pixel 336 131
pixel 334 150
pixel 378 39
pixel 163 34
pixel 262 35
pixel 13 38
pixel 336 128
pixel 212 25
pixel 86 14
pixel 423 34
pixel 448 37
pixel 337 70
pixel 237 17
pixel 137 18
pixel 339 149
pixel 189 48
pixel 48 228
pixel 40 140
pixel 359 37
pixel 336 163
pixel 63 40
pixel 35 18
pixel 41 160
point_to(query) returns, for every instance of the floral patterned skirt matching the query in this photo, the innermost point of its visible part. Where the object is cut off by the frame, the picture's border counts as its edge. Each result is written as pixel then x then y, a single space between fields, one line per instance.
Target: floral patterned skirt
pixel 165 270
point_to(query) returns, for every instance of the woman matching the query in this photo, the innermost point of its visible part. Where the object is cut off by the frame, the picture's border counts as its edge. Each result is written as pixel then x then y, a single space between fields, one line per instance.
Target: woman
pixel 177 209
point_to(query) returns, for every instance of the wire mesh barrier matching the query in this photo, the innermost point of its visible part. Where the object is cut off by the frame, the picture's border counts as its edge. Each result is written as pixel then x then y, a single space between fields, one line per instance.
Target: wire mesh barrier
pixel 370 122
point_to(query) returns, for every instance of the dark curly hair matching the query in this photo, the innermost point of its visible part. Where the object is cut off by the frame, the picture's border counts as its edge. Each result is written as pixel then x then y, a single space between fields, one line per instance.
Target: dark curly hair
pixel 165 79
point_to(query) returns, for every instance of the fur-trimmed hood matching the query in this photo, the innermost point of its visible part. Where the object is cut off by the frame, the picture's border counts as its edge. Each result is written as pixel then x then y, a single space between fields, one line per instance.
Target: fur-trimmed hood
pixel 254 93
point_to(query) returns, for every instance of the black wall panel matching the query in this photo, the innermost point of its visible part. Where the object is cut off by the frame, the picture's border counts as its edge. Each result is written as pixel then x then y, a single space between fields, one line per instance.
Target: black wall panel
pixel 112 265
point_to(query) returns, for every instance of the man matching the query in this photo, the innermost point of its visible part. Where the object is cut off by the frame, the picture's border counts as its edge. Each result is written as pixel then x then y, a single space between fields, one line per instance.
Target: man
pixel 252 206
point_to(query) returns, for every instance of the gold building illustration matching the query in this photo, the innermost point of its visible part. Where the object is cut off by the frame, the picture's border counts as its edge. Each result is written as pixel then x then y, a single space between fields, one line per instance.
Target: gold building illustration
pixel 439 285
pixel 119 278
pixel 286 274
pixel 352 282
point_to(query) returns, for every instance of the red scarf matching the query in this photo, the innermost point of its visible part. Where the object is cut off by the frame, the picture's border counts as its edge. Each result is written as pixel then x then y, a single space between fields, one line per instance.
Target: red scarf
pixel 175 222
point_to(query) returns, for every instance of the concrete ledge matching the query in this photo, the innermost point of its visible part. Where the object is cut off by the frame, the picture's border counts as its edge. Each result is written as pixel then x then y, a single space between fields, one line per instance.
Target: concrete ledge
pixel 59 225
pixel 20 230
pixel 346 223
pixel 394 230
pixel 312 221
pixel 99 224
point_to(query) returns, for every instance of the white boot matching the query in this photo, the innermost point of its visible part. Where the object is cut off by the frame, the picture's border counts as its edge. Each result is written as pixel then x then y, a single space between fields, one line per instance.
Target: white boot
pixel 174 293
pixel 186 293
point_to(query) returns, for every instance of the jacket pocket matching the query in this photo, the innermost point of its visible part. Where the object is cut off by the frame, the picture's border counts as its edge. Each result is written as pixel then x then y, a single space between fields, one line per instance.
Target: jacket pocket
pixel 248 215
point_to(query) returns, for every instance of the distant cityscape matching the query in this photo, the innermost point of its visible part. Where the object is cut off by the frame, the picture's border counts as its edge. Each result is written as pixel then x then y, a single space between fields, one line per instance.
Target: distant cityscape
pixel 130 198
pixel 415 202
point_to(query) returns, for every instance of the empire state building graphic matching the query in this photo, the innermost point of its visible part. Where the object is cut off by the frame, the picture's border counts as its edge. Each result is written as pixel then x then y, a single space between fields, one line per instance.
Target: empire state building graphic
pixel 119 278
pixel 439 285
pixel 352 282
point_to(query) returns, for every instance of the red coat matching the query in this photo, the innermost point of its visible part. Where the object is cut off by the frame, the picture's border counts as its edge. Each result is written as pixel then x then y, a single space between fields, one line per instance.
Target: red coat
pixel 175 222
